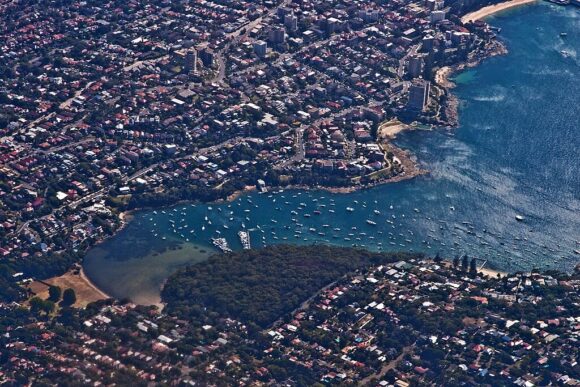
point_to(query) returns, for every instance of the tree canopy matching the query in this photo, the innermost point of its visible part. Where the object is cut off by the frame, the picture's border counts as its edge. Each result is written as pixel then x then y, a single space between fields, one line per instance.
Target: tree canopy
pixel 261 285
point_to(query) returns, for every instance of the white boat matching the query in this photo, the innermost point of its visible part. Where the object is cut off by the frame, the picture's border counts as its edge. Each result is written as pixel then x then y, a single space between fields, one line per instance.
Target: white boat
pixel 519 218
pixel 349 209
pixel 371 222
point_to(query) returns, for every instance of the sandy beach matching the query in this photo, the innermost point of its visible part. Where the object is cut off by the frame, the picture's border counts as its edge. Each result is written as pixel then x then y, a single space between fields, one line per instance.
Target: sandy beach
pixel 491 272
pixel 91 285
pixel 492 9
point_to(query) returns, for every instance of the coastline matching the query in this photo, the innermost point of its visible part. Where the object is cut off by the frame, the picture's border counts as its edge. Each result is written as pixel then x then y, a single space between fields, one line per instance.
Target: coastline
pixel 91 284
pixel 493 9
pixel 392 129
pixel 442 79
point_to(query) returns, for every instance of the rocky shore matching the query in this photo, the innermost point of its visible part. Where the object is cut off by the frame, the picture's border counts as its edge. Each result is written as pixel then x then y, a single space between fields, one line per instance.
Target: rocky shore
pixel 442 78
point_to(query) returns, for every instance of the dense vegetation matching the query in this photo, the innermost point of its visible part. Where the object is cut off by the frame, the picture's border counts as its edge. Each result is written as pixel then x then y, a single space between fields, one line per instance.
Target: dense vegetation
pixel 259 286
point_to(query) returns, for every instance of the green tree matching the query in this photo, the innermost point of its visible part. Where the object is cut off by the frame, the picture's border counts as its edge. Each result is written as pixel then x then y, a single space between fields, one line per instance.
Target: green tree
pixel 465 262
pixel 54 293
pixel 38 305
pixel 69 297
pixel 437 258
pixel 473 266
pixel 456 262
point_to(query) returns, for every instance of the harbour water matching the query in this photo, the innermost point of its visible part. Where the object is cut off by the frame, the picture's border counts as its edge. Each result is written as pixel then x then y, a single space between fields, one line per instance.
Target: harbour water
pixel 516 153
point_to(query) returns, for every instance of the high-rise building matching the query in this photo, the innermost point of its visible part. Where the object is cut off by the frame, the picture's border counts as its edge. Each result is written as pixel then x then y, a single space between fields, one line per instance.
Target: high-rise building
pixel 428 41
pixel 437 16
pixel 191 60
pixel 418 95
pixel 277 35
pixel 415 66
pixel 332 25
pixel 207 57
pixel 283 11
pixel 260 48
pixel 291 22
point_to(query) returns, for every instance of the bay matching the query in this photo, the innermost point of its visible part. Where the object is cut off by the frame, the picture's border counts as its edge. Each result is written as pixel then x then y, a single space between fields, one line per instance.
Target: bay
pixel 516 152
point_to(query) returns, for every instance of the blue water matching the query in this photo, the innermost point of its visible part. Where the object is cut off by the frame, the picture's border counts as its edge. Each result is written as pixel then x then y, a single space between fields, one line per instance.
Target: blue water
pixel 516 152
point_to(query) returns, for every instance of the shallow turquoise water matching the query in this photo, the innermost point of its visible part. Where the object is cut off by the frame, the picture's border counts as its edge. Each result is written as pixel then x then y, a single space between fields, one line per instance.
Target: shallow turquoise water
pixel 516 152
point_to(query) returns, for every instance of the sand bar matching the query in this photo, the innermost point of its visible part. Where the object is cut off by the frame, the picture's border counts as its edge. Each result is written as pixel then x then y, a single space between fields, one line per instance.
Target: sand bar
pixel 492 9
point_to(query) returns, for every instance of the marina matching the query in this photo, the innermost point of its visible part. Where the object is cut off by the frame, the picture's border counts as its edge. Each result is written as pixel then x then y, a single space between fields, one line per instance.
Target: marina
pixel 245 239
pixel 221 244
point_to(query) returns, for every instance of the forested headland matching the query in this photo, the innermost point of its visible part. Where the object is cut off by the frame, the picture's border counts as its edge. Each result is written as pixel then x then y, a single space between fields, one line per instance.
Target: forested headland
pixel 258 286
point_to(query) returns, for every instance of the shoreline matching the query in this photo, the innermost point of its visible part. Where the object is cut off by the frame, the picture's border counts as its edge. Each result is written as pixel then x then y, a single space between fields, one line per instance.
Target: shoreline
pixel 443 74
pixel 91 284
pixel 493 9
pixel 492 273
